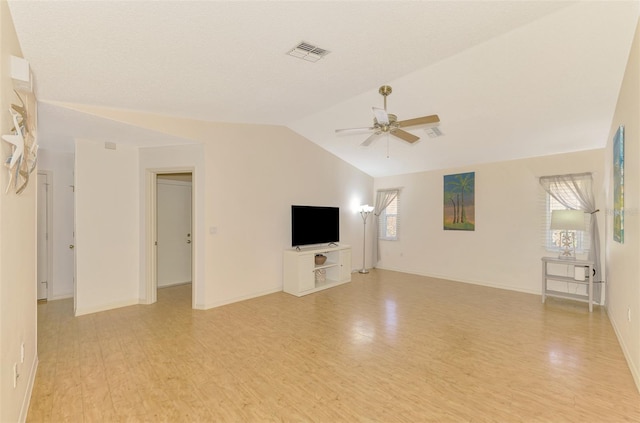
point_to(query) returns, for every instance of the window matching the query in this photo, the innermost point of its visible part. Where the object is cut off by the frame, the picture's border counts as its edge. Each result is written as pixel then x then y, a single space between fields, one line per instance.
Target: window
pixel 388 220
pixel 552 237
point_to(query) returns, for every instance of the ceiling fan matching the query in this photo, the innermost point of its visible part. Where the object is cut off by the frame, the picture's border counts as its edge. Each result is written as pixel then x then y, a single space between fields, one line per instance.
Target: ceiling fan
pixel 388 123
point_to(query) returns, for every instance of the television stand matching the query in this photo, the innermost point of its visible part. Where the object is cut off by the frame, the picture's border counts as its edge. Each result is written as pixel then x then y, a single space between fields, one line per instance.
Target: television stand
pixel 302 276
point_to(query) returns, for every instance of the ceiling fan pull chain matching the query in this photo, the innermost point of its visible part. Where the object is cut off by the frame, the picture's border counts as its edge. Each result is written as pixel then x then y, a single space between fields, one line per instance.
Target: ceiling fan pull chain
pixel 387 145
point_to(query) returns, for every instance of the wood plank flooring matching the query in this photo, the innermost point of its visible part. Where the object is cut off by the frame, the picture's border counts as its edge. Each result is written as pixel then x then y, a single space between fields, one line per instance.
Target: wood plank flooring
pixel 387 347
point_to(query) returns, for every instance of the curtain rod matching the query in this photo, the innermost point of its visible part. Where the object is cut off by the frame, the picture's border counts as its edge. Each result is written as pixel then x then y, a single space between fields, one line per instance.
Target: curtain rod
pixel 389 189
pixel 567 175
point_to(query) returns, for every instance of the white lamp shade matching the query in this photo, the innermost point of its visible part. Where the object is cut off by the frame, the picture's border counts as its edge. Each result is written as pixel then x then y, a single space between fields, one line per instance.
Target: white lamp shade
pixel 567 220
pixel 366 208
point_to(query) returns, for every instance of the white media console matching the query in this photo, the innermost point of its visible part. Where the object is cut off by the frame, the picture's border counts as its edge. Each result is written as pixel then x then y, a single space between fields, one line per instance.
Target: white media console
pixel 301 276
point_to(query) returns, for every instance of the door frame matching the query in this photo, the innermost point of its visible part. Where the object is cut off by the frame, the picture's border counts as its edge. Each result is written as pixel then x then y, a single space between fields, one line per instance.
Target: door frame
pixel 49 216
pixel 151 280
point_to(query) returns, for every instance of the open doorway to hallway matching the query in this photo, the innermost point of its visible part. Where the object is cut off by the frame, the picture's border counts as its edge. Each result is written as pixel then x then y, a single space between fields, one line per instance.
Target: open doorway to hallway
pixel 44 238
pixel 55 226
pixel 174 231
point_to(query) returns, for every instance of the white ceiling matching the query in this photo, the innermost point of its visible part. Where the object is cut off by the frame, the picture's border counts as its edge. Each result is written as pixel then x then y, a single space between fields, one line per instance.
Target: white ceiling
pixel 509 79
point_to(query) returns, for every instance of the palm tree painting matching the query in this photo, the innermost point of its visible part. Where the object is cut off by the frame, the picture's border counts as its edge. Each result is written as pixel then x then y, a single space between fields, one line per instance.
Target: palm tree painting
pixel 459 202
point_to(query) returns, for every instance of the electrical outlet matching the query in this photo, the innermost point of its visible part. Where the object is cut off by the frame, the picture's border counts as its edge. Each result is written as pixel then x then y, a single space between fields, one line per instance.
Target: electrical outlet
pixel 22 353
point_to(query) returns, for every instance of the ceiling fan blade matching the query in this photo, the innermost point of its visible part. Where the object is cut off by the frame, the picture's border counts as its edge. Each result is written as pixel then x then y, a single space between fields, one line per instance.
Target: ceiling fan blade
pixel 410 138
pixel 424 120
pixel 354 130
pixel 370 139
pixel 381 115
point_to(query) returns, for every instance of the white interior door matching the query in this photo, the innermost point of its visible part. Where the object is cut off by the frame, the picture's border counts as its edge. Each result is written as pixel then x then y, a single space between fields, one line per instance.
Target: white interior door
pixel 173 232
pixel 43 236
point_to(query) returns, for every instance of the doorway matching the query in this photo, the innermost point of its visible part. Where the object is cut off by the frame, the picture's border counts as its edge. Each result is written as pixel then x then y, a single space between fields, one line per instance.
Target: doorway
pixel 44 238
pixel 173 232
pixel 173 199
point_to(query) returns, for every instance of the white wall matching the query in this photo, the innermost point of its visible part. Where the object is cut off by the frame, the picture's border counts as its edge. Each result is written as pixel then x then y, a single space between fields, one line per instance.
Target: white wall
pixel 107 226
pixel 17 256
pixel 254 174
pixel 623 268
pixel 61 166
pixel 505 249
pixel 246 177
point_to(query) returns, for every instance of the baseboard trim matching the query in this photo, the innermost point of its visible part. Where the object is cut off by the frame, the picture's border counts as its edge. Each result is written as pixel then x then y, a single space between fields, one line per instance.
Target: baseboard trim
pixel 469 281
pixel 625 350
pixel 24 410
pixel 60 297
pixel 106 307
pixel 169 285
pixel 236 299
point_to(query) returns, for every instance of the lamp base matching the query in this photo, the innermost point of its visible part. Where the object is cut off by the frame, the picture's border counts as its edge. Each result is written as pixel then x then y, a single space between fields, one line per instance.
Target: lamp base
pixel 363 271
pixel 561 257
pixel 567 254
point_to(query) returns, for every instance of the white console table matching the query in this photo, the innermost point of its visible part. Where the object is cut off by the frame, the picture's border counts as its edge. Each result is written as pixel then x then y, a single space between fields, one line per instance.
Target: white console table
pixel 588 281
pixel 300 269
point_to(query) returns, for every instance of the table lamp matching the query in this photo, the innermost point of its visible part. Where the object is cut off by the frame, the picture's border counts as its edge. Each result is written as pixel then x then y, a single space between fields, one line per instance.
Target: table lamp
pixel 568 222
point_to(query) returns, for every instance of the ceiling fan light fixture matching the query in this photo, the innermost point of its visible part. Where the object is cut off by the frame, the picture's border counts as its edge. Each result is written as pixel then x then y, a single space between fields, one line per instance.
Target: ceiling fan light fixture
pixel 308 52
pixel 388 123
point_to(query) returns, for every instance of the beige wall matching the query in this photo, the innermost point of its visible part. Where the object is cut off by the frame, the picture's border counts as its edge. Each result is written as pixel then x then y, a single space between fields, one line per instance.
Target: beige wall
pixel 107 226
pixel 246 177
pixel 623 269
pixel 505 249
pixel 185 157
pixel 17 256
pixel 254 174
pixel 181 177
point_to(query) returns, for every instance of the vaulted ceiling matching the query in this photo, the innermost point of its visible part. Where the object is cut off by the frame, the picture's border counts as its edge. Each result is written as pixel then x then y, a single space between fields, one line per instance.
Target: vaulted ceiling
pixel 509 79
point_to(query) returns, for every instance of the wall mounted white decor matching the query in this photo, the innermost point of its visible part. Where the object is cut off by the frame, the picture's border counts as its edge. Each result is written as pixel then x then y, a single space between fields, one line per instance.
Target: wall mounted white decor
pixel 24 146
pixel 21 74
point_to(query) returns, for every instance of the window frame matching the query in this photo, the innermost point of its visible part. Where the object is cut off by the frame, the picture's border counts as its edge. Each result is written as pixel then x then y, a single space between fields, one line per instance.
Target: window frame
pixel 383 219
pixel 583 239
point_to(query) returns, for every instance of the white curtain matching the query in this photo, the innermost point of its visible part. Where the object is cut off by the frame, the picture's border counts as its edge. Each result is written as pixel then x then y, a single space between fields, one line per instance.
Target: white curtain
pixel 383 199
pixel 567 189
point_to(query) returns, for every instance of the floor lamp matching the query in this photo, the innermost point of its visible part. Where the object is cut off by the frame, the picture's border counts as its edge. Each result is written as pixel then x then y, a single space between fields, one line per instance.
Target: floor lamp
pixel 365 211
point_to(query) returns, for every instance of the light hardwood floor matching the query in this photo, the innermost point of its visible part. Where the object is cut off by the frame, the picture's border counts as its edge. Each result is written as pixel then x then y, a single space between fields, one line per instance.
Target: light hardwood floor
pixel 387 347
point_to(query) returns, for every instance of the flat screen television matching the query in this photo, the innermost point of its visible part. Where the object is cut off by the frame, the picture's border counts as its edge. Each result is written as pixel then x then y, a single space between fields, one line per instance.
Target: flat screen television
pixel 314 225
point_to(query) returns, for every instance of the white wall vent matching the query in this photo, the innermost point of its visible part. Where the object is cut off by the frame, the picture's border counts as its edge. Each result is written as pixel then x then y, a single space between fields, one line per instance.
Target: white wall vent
pixel 434 132
pixel 308 52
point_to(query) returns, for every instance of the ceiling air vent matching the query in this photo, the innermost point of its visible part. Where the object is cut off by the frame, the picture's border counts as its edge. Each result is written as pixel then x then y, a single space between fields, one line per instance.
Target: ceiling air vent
pixel 308 52
pixel 434 132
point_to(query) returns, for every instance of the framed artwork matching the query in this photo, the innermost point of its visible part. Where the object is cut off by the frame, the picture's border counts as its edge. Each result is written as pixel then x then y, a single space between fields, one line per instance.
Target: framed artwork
pixel 618 185
pixel 459 202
